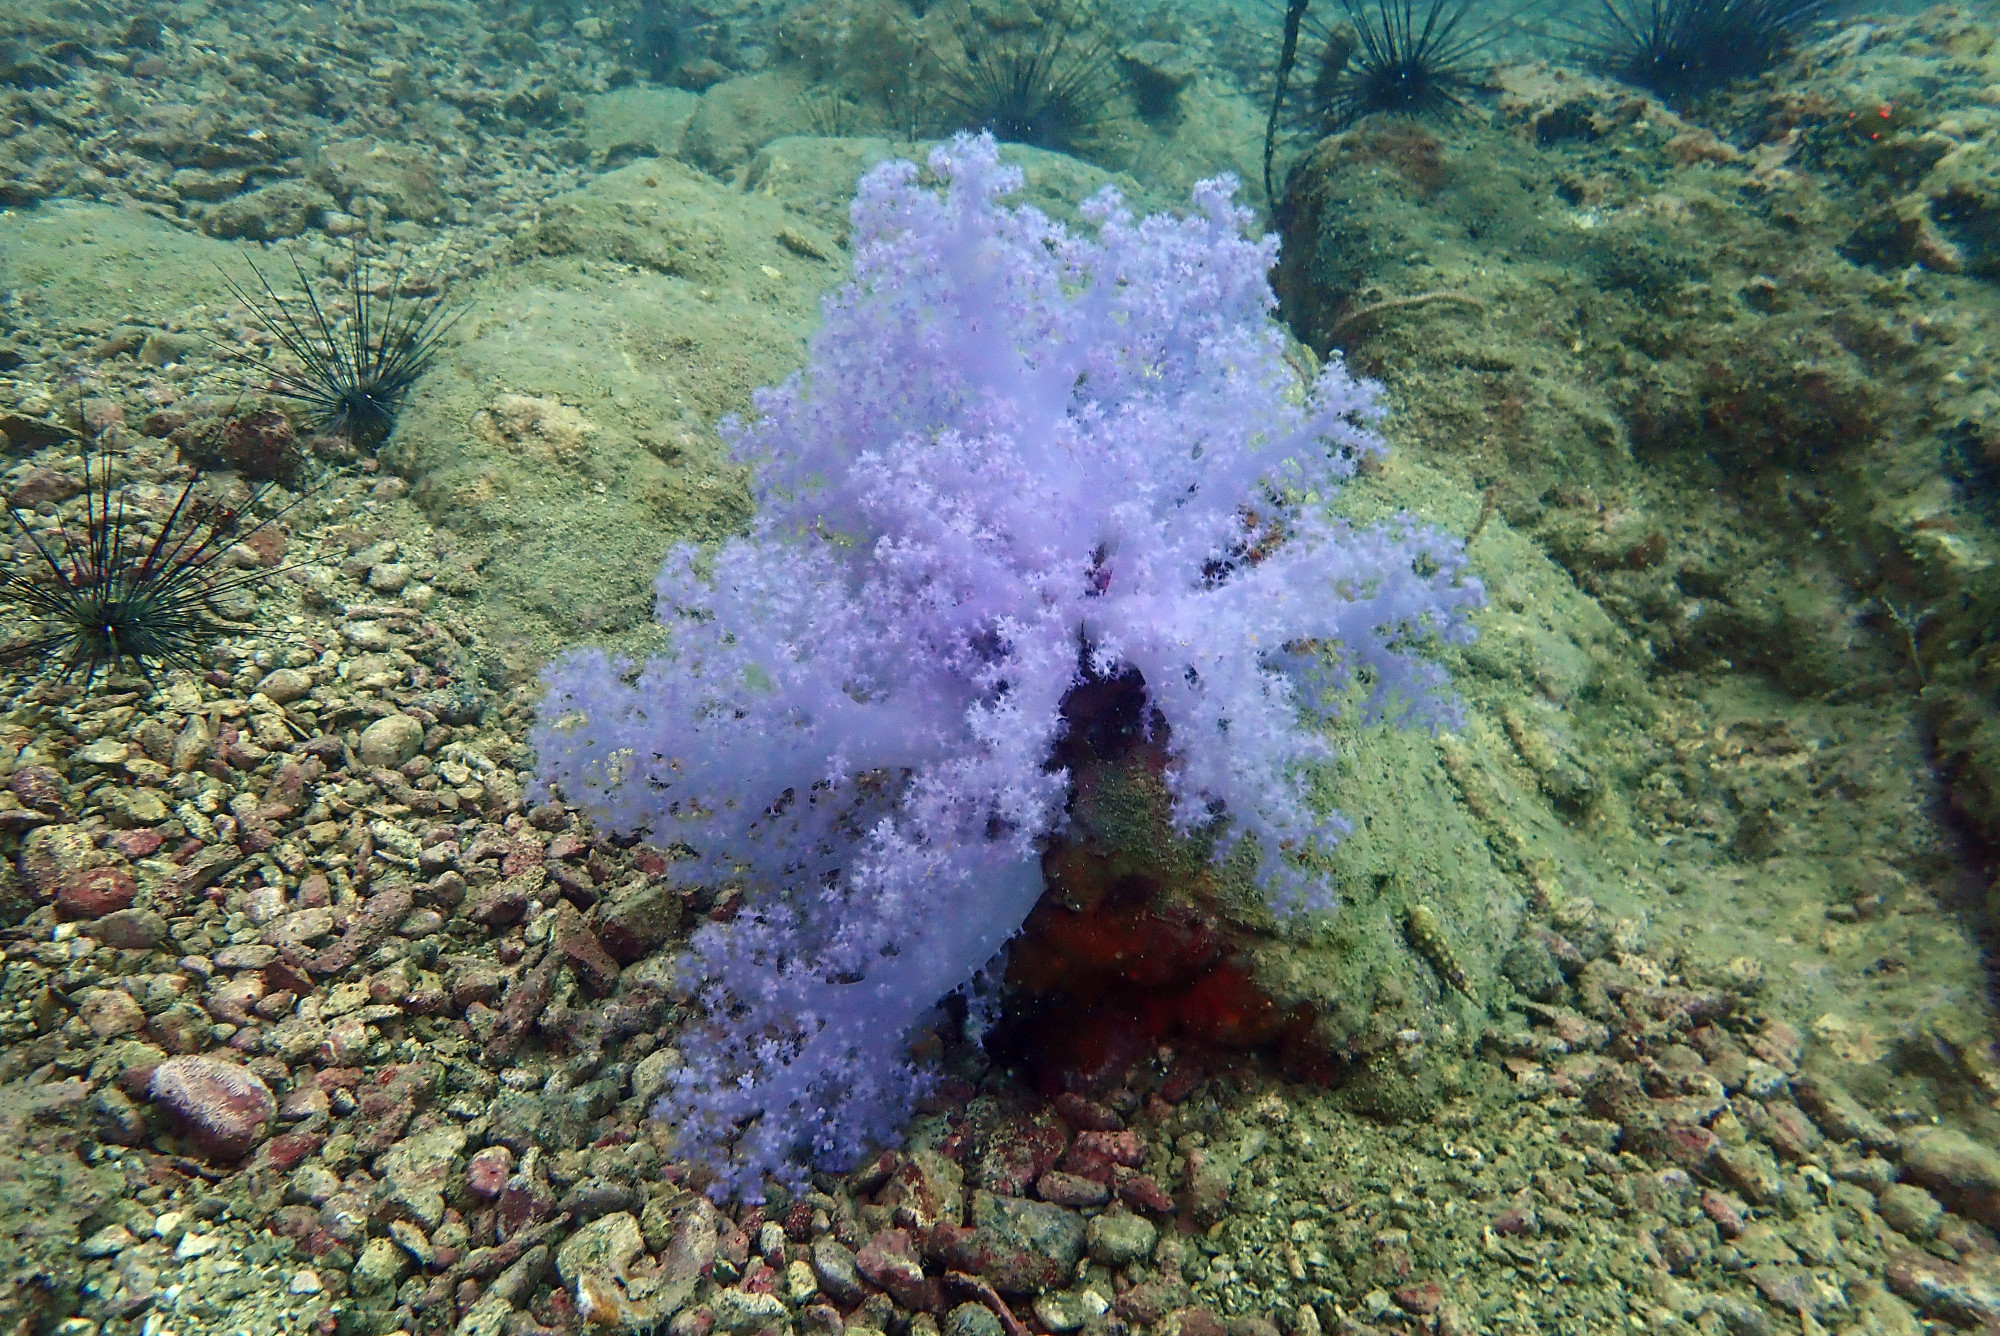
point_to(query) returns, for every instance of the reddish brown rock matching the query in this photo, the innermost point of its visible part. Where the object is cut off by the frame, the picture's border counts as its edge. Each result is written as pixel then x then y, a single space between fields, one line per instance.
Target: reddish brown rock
pixel 284 1153
pixel 596 971
pixel 486 1173
pixel 633 924
pixel 1943 1290
pixel 43 484
pixel 1728 1212
pixel 1151 1300
pixel 1780 1044
pixel 1011 1150
pixel 890 1260
pixel 1072 1190
pixel 1689 1145
pixel 926 1189
pixel 1141 1192
pixel 380 913
pixel 1788 1131
pixel 95 892
pixel 1094 1154
pixel 1422 1298
pixel 141 843
pixel 1210 1181
pixel 505 902
pixel 1087 1115
pixel 223 1108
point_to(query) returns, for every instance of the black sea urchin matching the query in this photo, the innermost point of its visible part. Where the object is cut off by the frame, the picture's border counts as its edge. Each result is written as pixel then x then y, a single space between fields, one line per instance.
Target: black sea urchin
pixel 1681 49
pixel 1411 59
pixel 353 374
pixel 125 587
pixel 1052 85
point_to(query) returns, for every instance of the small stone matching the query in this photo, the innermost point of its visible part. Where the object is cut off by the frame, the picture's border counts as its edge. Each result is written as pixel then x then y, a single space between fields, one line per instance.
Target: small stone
pixel 487 1172
pixel 391 577
pixel 837 1272
pixel 890 1260
pixel 1067 1310
pixel 740 1310
pixel 299 927
pixel 223 1108
pixel 286 685
pixel 39 787
pixel 595 970
pixel 970 1320
pixel 130 930
pixel 650 1073
pixel 106 1241
pixel 390 741
pixel 368 637
pixel 1210 1181
pixel 594 1263
pixel 412 1241
pixel 1150 1300
pixel 192 1246
pixel 104 751
pixel 1021 1246
pixel 249 956
pixel 182 1028
pixel 1422 1298
pixel 381 1266
pixel 1943 1289
pixel 305 1282
pixel 1531 967
pixel 1119 1238
pixel 800 1285
pixel 415 1171
pixel 1071 1190
pixel 1911 1211
pixel 95 892
pixel 632 925
pixel 1141 1192
pixel 110 1012
pixel 1962 1172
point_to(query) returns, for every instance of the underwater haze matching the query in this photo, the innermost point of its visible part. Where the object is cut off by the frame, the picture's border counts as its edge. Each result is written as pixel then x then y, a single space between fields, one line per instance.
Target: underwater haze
pixel 999 667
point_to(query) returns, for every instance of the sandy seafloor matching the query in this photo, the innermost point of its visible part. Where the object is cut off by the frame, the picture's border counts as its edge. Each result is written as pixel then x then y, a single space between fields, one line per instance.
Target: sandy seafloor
pixel 1711 854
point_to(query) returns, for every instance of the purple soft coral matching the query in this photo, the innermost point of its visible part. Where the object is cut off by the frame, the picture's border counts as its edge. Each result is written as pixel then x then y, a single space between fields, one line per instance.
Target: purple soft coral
pixel 1015 456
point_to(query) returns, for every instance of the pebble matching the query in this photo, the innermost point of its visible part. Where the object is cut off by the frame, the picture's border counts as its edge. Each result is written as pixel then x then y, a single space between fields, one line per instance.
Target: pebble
pixel 106 1241
pixel 367 637
pixel 1119 1238
pixel 131 929
pixel 969 1320
pixel 1067 1310
pixel 486 1173
pixel 390 741
pixel 380 1267
pixel 196 1245
pixel 286 685
pixel 110 1012
pixel 95 892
